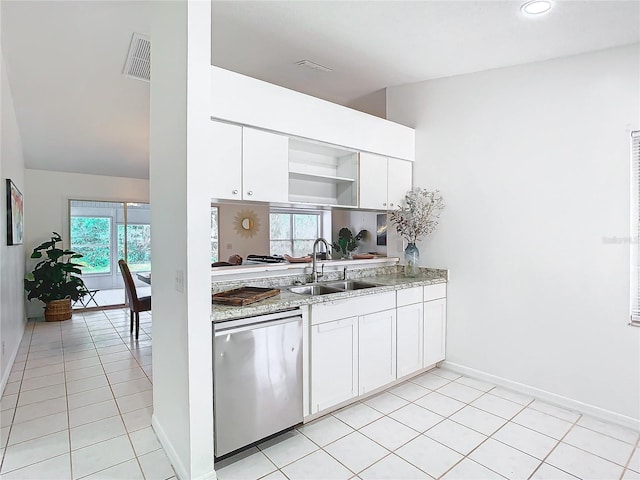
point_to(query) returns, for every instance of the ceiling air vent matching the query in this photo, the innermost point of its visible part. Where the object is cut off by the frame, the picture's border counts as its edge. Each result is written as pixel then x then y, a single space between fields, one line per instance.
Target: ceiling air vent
pixel 313 66
pixel 138 64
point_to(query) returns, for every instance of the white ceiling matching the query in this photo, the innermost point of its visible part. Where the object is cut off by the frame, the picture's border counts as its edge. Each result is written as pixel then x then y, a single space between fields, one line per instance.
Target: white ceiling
pixel 371 45
pixel 77 112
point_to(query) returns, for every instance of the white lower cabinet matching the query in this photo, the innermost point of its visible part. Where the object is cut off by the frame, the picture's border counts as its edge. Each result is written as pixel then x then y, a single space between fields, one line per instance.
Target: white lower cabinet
pixel 377 350
pixel 435 318
pixel 334 363
pixel 384 337
pixel 410 338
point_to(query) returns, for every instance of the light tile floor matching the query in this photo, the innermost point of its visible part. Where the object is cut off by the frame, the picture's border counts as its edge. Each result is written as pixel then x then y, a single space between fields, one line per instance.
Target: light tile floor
pixel 78 402
pixel 443 425
pixel 78 405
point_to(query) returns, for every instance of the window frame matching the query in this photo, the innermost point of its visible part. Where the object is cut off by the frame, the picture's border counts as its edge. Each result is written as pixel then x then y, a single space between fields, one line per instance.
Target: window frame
pixel 634 263
pixel 292 212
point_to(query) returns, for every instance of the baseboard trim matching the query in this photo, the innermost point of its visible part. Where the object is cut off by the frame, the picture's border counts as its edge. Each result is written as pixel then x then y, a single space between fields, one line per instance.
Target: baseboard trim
pixel 12 359
pixel 177 464
pixel 550 397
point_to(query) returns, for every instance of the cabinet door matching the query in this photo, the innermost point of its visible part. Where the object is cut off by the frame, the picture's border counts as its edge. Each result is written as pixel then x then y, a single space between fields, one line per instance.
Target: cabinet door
pixel 399 180
pixel 410 338
pixel 435 327
pixel 265 166
pixel 225 163
pixel 334 363
pixel 373 181
pixel 377 346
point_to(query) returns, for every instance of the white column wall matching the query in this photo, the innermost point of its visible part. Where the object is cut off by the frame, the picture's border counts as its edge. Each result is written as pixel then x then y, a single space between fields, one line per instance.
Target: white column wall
pixel 180 221
pixel 533 163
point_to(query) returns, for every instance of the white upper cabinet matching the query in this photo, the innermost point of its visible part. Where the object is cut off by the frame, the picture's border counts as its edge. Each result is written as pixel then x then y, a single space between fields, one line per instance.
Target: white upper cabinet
pixel 383 181
pixel 265 164
pixel 247 164
pixel 373 181
pixel 225 164
pixel 399 181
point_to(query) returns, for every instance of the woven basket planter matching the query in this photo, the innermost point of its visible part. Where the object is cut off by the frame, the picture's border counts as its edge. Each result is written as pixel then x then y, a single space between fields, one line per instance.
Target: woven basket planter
pixel 58 310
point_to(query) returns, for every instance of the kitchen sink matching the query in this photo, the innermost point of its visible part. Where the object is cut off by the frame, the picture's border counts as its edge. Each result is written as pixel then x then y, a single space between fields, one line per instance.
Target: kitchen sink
pixel 314 289
pixel 331 287
pixel 351 285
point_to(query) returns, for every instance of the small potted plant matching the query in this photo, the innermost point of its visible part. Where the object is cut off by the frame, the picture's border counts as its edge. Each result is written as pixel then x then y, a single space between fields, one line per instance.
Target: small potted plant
pixel 55 280
pixel 417 217
pixel 347 242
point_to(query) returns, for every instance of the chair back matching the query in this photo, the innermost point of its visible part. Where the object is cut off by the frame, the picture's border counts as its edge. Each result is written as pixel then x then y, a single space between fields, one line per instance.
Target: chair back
pixel 129 286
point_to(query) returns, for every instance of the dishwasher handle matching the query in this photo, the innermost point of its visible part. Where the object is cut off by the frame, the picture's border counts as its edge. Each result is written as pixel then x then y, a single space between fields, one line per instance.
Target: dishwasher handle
pixel 252 323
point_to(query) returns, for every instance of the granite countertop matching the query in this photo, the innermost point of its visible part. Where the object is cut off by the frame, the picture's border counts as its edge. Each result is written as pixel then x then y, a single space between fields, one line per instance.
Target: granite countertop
pixel 286 300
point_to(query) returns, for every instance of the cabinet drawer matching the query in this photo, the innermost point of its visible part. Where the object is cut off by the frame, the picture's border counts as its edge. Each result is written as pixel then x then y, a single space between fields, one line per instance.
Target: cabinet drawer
pixel 433 292
pixel 407 296
pixel 352 307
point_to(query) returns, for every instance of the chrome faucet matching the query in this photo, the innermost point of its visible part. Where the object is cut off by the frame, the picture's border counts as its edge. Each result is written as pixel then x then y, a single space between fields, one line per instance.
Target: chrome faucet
pixel 314 271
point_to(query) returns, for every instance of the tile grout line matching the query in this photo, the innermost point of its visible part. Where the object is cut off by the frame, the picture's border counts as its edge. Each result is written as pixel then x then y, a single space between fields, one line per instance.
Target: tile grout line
pixel 64 370
pixel 575 422
pixel 135 453
pixel 485 440
pixel 626 465
pixel 13 415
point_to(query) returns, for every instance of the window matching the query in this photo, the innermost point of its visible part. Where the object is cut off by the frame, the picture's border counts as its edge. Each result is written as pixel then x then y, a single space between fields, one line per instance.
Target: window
pixel 105 232
pixel 293 233
pixel 91 235
pixel 214 234
pixel 635 228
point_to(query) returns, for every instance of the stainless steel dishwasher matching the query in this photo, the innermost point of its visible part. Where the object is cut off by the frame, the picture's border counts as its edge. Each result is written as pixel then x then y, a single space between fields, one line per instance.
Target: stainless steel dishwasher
pixel 257 378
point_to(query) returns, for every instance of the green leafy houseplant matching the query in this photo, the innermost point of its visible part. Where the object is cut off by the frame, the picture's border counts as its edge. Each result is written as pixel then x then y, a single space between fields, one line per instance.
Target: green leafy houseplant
pixel 55 278
pixel 347 242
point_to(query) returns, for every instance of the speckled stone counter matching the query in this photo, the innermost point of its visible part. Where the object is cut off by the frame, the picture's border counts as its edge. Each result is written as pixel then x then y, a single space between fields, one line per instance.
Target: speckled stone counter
pixel 387 279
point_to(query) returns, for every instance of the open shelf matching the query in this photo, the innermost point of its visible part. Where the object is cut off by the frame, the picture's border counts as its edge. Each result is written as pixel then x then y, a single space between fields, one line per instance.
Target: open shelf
pixel 322 175
pixel 316 201
pixel 319 177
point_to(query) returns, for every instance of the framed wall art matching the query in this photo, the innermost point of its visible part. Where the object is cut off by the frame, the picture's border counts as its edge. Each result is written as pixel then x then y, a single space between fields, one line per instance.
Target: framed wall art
pixel 381 229
pixel 15 215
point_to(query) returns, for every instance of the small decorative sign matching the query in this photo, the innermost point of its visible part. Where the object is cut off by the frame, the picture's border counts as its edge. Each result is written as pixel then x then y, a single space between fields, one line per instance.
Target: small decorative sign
pixel 15 215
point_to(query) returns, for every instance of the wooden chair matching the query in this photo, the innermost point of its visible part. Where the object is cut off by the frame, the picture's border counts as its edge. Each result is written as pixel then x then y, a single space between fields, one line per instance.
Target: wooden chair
pixel 136 305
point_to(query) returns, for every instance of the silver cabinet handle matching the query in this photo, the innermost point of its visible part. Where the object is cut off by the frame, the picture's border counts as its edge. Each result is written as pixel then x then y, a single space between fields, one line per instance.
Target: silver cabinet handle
pixel 391 204
pixel 250 192
pixel 384 204
pixel 235 192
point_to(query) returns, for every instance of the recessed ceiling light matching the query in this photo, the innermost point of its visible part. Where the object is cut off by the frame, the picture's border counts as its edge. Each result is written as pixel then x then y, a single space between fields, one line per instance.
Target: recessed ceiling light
pixel 536 7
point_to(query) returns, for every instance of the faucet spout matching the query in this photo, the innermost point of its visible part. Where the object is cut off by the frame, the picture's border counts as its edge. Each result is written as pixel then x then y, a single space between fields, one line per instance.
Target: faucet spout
pixel 314 270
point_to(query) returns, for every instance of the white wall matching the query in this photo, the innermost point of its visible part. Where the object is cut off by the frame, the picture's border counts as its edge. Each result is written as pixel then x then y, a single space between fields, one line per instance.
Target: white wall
pixel 47 196
pixel 533 163
pixel 181 226
pixel 373 103
pixel 12 319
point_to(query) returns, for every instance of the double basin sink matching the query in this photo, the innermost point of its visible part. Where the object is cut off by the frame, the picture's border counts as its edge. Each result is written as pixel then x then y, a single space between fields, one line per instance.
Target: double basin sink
pixel 326 288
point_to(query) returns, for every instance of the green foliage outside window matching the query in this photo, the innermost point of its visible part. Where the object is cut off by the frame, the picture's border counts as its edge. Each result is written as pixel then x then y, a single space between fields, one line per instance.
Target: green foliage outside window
pixel 91 236
pixel 138 246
